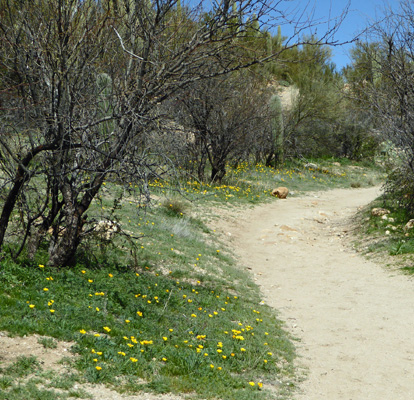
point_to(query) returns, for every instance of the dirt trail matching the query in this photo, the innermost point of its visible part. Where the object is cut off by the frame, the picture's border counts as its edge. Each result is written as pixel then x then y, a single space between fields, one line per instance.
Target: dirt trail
pixel 354 319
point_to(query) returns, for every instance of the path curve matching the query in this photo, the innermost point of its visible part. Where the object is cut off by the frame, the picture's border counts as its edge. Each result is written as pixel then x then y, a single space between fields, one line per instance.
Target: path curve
pixel 354 319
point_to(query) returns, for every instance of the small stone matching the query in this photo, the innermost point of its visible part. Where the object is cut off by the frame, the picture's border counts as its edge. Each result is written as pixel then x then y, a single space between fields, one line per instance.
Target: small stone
pixel 378 212
pixel 280 192
pixel 311 165
pixel 392 227
pixel 409 225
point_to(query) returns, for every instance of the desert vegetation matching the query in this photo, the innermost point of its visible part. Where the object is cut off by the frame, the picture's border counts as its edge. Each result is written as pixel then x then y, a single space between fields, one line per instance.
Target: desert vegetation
pixel 120 122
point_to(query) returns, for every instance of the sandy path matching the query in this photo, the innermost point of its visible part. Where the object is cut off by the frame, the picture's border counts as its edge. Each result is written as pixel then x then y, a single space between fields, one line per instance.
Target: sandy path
pixel 354 319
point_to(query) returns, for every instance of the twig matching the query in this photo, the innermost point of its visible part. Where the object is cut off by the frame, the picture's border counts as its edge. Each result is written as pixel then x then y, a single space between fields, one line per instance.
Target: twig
pixel 123 47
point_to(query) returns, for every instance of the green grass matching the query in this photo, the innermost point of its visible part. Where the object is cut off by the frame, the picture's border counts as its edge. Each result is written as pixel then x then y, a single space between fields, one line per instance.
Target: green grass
pixel 65 382
pixel 253 184
pixel 386 235
pixel 24 379
pixel 30 391
pixel 20 380
pixel 163 299
pixel 23 366
pixel 47 343
pixel 187 336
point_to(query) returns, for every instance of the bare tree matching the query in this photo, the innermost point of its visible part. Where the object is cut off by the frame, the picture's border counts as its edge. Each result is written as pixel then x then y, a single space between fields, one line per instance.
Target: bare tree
pixel 386 88
pixel 81 84
pixel 227 116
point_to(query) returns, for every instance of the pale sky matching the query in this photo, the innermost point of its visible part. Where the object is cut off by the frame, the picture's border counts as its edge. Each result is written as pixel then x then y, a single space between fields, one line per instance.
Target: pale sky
pixel 361 13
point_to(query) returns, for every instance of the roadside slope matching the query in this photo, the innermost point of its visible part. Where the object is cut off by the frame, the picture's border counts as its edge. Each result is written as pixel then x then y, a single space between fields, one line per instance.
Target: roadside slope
pixel 354 319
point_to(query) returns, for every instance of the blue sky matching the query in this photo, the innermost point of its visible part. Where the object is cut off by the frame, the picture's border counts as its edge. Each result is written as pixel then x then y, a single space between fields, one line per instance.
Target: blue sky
pixel 360 14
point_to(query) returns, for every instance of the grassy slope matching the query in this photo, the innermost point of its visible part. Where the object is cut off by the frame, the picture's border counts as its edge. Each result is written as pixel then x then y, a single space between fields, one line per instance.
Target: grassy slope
pixel 170 307
pixel 385 237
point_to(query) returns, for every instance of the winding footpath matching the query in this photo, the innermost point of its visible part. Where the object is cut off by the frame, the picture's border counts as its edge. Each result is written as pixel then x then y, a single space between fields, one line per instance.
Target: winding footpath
pixel 354 319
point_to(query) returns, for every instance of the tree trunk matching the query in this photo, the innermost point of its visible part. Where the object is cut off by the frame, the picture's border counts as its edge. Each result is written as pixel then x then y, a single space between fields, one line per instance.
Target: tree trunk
pixel 21 177
pixel 63 248
pixel 218 172
pixel 201 167
pixel 269 159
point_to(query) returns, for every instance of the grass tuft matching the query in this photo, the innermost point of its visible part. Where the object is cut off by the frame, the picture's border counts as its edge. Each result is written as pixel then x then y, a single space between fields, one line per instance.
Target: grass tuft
pixel 23 366
pixel 47 343
pixel 174 207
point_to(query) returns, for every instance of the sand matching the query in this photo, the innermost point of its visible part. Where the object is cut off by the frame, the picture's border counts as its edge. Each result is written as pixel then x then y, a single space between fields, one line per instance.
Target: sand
pixel 354 318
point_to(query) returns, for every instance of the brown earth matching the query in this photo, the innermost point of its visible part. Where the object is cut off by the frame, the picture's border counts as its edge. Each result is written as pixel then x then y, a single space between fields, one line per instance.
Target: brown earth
pixel 354 319
pixel 51 360
pixel 13 347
